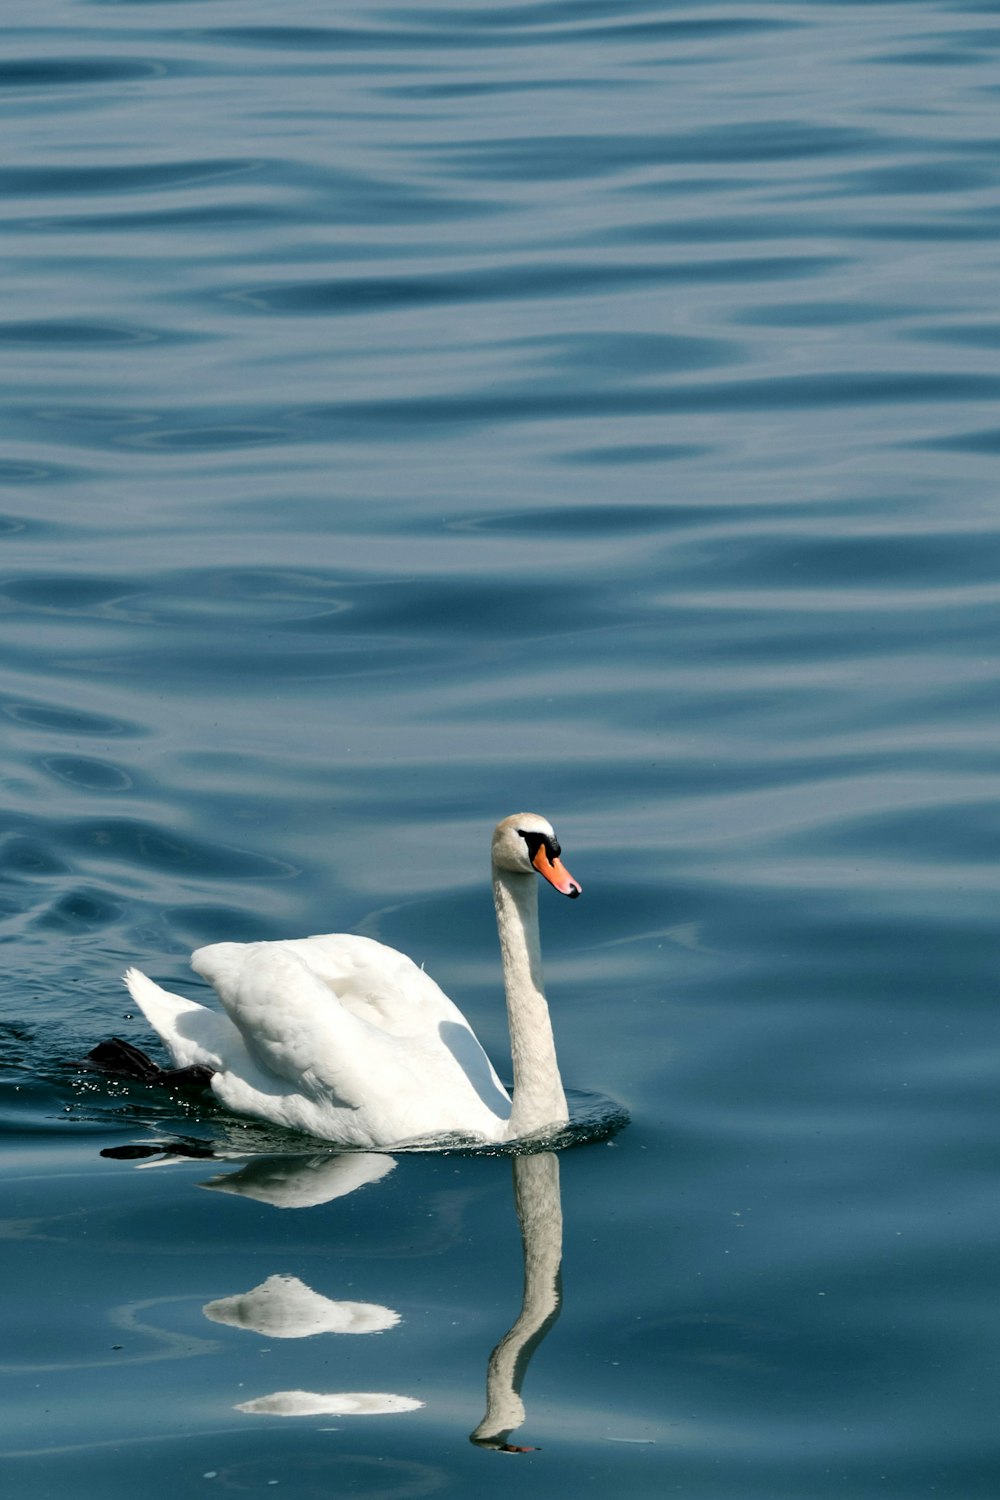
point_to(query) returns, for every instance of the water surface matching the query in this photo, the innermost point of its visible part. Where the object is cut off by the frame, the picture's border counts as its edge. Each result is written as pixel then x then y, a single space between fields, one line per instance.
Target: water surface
pixel 411 415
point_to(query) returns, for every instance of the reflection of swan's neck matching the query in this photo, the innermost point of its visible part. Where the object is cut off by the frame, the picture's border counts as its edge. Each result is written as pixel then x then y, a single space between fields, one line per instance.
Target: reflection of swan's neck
pixel 539 1210
pixel 538 1098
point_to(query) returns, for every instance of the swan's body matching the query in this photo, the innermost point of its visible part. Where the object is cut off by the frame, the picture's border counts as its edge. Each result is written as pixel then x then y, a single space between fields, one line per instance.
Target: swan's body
pixel 347 1039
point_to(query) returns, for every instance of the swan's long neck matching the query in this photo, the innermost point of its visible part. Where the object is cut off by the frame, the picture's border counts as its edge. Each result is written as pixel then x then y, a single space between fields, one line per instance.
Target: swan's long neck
pixel 538 1099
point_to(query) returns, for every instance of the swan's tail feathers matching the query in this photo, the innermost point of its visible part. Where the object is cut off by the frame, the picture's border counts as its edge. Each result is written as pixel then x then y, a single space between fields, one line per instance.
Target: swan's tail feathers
pixel 194 1036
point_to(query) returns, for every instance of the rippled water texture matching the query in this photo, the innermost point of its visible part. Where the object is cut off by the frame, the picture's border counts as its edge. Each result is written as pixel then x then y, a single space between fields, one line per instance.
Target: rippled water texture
pixel 412 414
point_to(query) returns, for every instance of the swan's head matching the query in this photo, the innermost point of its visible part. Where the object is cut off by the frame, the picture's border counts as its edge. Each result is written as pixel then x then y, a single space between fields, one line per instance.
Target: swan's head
pixel 526 843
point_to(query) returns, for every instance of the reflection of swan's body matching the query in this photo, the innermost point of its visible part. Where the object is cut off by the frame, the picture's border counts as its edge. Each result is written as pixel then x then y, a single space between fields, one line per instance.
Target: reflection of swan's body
pixel 283 1307
pixel 539 1212
pixel 328 1403
pixel 302 1181
pixel 344 1038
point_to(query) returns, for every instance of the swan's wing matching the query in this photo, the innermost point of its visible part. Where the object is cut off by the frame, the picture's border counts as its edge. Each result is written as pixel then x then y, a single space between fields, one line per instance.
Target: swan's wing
pixel 376 983
pixel 288 1019
pixel 351 1026
pixel 385 989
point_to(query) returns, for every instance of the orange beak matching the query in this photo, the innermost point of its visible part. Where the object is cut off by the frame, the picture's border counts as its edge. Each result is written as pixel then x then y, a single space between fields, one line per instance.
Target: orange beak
pixel 556 873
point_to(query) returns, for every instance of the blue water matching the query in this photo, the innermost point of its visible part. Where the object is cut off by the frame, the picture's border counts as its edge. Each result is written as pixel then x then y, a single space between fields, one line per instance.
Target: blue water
pixel 415 414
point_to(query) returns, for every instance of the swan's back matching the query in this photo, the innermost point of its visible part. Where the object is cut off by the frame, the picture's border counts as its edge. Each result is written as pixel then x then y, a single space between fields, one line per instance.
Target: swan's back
pixel 377 984
pixel 358 1029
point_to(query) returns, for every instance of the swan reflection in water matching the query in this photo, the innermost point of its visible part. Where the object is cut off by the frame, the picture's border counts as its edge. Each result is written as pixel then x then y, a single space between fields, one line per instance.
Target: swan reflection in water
pixel 303 1181
pixel 285 1307
pixel 539 1213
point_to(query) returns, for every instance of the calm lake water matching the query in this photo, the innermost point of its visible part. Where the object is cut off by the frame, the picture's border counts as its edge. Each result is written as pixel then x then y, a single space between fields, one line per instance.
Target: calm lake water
pixel 416 413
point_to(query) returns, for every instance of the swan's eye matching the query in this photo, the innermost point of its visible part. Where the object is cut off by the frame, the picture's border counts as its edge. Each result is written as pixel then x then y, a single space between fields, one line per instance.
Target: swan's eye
pixel 536 841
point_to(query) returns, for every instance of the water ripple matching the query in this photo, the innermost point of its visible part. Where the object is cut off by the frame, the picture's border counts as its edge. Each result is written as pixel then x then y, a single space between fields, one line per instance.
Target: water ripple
pixel 438 30
pixel 356 295
pixel 71 333
pixel 544 158
pixel 62 72
pixel 147 177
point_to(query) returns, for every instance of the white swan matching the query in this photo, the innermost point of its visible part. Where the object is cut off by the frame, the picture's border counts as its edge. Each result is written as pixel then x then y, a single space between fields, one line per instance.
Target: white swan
pixel 346 1039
